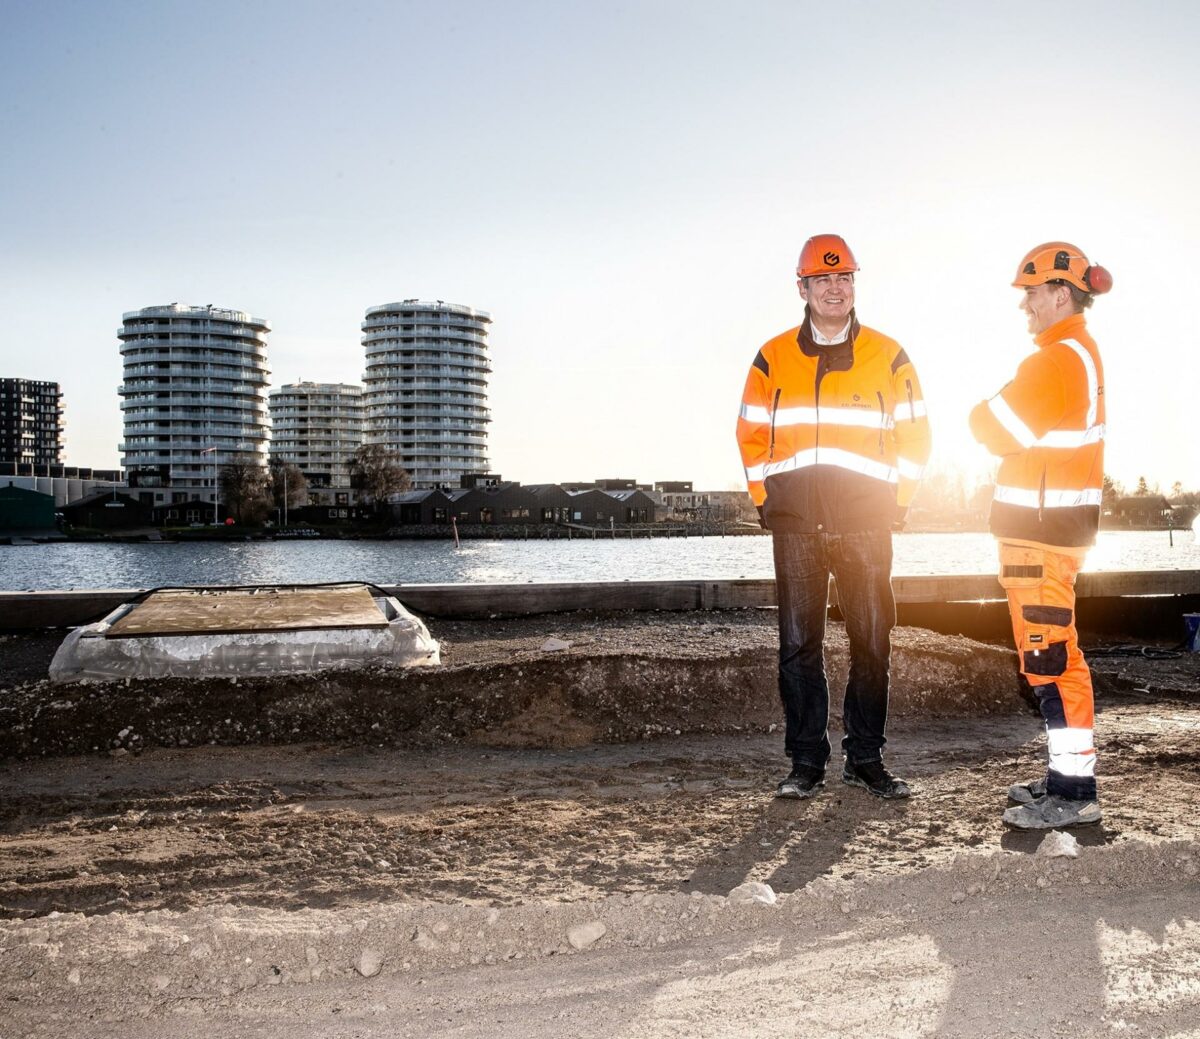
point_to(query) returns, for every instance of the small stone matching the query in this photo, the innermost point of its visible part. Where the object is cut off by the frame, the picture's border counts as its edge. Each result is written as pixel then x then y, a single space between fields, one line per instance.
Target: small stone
pixel 492 916
pixel 73 976
pixel 160 981
pixel 1058 844
pixel 118 752
pixel 423 939
pixel 310 955
pixel 976 889
pixel 753 891
pixel 1043 882
pixel 554 645
pixel 369 963
pixel 958 896
pixel 382 864
pixel 584 936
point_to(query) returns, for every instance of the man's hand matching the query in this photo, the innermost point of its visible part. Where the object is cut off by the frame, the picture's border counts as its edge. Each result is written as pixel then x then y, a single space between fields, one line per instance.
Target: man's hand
pixel 761 521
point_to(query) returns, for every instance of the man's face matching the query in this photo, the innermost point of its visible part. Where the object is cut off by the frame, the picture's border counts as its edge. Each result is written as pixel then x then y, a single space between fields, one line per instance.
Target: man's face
pixel 1044 305
pixel 829 296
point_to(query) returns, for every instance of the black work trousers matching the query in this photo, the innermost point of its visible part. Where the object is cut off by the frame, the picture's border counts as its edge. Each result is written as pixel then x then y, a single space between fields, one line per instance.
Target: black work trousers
pixel 861 562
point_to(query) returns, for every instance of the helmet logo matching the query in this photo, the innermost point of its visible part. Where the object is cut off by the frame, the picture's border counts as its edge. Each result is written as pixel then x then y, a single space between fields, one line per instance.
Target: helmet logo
pixel 831 259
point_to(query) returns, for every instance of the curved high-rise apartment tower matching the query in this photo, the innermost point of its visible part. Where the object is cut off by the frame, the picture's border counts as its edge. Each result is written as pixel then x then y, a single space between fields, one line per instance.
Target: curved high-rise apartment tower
pixel 317 426
pixel 426 388
pixel 194 397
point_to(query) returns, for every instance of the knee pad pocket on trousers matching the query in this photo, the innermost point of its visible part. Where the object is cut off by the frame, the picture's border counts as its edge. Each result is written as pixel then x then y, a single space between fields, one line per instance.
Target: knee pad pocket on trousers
pixel 1049 661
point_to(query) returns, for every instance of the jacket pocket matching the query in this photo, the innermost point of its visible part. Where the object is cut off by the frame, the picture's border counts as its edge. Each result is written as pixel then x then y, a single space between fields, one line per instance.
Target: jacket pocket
pixel 774 412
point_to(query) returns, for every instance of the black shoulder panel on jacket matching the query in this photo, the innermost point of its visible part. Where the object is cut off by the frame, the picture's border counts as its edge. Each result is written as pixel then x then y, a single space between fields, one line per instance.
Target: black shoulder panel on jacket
pixel 760 363
pixel 899 361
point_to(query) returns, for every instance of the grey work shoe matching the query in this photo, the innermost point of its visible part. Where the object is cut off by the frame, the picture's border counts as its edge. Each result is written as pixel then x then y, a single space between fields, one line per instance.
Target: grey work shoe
pixel 1051 812
pixel 874 779
pixel 1024 793
pixel 804 782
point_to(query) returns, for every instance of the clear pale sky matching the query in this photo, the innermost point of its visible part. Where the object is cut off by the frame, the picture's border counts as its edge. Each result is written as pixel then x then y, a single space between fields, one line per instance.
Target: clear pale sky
pixel 624 186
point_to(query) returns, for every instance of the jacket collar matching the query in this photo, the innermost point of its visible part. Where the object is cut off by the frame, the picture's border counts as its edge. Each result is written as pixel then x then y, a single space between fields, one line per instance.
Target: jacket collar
pixel 811 348
pixel 1068 328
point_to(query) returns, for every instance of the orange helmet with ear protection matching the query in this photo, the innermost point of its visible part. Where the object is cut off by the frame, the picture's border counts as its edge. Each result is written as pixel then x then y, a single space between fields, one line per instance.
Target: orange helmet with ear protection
pixel 1061 261
pixel 825 254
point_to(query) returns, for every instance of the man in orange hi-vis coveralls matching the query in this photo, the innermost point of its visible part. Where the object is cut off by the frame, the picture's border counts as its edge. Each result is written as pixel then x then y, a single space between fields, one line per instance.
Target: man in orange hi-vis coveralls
pixel 1047 426
pixel 834 437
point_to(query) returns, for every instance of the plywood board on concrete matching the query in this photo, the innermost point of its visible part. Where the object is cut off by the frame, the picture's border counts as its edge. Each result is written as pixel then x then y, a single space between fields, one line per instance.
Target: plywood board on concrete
pixel 220 610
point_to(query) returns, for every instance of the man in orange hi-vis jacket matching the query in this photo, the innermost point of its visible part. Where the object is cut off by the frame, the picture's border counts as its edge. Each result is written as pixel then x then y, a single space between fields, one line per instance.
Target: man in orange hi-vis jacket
pixel 834 437
pixel 1047 426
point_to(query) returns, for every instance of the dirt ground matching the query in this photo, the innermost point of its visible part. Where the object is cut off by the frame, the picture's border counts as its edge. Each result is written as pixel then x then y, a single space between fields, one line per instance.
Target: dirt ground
pixel 243 890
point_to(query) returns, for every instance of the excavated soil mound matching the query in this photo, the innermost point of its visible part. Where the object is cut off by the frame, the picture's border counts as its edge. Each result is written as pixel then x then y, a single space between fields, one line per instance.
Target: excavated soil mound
pixel 619 677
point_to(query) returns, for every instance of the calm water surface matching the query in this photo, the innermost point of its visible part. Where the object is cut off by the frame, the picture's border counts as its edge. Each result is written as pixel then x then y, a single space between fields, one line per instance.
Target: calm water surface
pixel 489 562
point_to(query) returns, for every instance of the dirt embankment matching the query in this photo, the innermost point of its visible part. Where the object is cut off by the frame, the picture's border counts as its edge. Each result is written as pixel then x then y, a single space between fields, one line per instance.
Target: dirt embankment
pixel 622 677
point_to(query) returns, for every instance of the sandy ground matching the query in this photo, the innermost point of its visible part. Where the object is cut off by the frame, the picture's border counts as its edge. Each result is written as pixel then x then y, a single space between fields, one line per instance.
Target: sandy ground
pixel 253 890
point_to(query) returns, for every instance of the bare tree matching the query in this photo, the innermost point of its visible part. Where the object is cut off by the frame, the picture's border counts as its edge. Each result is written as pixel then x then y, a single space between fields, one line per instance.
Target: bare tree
pixel 288 486
pixel 377 473
pixel 245 489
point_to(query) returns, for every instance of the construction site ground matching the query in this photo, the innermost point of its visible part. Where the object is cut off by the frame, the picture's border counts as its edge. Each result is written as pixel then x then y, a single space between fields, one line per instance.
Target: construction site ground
pixel 550 867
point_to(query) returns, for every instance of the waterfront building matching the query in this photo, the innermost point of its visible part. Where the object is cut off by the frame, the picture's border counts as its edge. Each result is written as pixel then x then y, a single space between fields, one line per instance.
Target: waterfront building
pixel 317 426
pixel 64 483
pixel 30 423
pixel 194 397
pixel 425 388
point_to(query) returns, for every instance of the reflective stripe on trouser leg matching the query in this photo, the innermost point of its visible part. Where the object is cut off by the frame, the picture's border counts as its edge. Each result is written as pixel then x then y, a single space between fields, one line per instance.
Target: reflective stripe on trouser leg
pixel 1041 600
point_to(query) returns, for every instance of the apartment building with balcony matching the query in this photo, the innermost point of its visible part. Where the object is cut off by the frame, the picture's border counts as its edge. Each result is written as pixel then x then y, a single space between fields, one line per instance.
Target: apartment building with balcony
pixel 31 423
pixel 425 388
pixel 194 397
pixel 317 426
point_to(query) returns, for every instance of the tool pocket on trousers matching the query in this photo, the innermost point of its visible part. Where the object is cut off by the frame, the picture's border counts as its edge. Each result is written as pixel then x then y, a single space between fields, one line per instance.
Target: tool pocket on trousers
pixel 1021 566
pixel 1051 661
pixel 1044 627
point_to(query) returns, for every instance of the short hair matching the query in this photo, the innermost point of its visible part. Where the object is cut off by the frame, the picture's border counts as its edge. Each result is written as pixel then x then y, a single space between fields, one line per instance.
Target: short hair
pixel 1080 300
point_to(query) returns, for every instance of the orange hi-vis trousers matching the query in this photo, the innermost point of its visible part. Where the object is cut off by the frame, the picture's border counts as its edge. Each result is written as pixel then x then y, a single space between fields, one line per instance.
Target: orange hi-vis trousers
pixel 1040 584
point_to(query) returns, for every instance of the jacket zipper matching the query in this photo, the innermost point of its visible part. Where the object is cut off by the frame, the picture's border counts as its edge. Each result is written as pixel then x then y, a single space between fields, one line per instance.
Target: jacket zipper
pixel 882 419
pixel 821 361
pixel 912 413
pixel 774 412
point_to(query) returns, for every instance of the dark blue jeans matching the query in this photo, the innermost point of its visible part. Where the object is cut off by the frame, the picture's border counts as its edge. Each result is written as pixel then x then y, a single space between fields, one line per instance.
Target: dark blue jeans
pixel 862 564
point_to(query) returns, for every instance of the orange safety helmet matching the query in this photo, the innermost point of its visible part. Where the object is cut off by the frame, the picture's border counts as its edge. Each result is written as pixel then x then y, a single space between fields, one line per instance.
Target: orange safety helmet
pixel 1061 261
pixel 825 254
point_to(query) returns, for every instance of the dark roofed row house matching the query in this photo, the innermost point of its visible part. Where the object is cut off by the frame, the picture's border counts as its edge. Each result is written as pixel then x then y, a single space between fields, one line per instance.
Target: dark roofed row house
pixel 533 504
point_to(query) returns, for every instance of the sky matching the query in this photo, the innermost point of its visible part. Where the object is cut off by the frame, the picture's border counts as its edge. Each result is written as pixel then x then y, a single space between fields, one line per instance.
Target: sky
pixel 624 186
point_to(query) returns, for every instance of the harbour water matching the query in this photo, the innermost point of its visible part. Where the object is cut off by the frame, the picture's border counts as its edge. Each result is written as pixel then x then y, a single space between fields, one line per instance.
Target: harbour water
pixel 107 565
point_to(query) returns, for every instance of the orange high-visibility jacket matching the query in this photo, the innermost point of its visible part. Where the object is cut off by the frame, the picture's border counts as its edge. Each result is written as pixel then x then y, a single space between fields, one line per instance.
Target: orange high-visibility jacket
pixel 832 437
pixel 1048 427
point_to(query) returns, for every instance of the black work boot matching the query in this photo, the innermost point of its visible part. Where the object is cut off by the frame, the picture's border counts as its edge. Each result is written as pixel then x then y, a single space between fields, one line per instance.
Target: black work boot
pixel 804 781
pixel 875 779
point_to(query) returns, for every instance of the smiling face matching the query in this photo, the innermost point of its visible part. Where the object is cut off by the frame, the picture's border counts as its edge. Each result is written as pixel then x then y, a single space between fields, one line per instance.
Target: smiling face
pixel 1044 305
pixel 830 297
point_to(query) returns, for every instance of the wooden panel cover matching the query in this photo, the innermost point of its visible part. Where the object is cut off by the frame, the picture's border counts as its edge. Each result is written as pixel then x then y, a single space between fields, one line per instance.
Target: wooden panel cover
pixel 210 611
